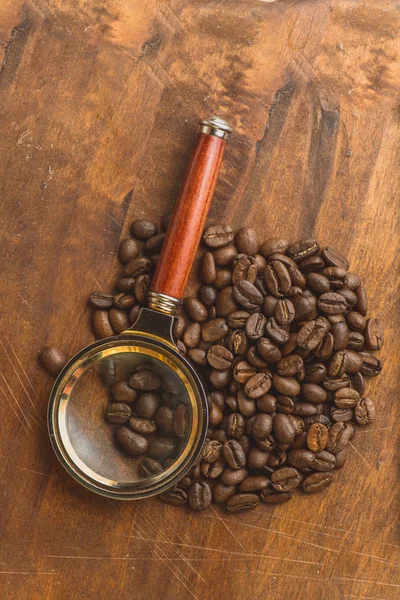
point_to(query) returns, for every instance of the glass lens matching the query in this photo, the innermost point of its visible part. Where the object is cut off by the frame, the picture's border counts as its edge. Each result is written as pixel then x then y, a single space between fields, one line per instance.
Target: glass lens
pixel 126 415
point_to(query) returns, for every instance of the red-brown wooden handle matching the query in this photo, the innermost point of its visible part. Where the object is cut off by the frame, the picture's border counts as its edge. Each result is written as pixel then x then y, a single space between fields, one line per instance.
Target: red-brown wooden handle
pixel 189 216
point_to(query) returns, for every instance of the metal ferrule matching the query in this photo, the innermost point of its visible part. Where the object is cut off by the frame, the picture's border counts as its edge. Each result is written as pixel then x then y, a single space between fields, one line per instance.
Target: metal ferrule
pixel 216 126
pixel 163 303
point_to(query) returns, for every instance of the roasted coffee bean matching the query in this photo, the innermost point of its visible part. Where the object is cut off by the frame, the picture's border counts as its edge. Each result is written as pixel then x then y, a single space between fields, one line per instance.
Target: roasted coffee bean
pixel 214 330
pixel 364 411
pixel 238 319
pixel 146 405
pixel 311 263
pixel 175 496
pixel 208 272
pixel 123 301
pixel 361 305
pixel 257 459
pixel 283 258
pixel 212 470
pixel 337 277
pixel 266 404
pixel 274 497
pixel 317 437
pixel 246 241
pixel 141 288
pixel 242 371
pixel 233 454
pixel 101 301
pixel 237 342
pixel 198 356
pixel 223 279
pixel 315 373
pixel 52 359
pixel 162 448
pixel 331 384
pixel 118 320
pixel 324 462
pixel 255 326
pixel 341 415
pixel 154 243
pixel 288 386
pixel 142 426
pixel 165 419
pixel 179 326
pixel 338 437
pixel 216 415
pixel 224 256
pixel 101 324
pixel 283 428
pixel 290 365
pixel 344 361
pixel 346 398
pixel 143 229
pixel 262 426
pixel 284 404
pixel 128 250
pixel 268 306
pixel 255 359
pixel 235 426
pixel 145 380
pixel 355 341
pixel 149 467
pixel 305 409
pixel 192 335
pixel 301 459
pixel 233 476
pixel 284 312
pixel 196 309
pixel 334 259
pixel 245 268
pixel 212 451
pixel 221 493
pixel 122 392
pixel 260 262
pixel 311 334
pixel 117 412
pixel 125 284
pixel 207 294
pixel 332 303
pixel 181 421
pixel 349 296
pixel 133 443
pixel 253 483
pixel 277 278
pixel 279 334
pixel 258 385
pixel 199 495
pixel 212 313
pixel 373 334
pixel 314 393
pixel 340 333
pixel 274 246
pixel 353 281
pixel 219 357
pixel 246 294
pixel 356 321
pixel 303 249
pixel 217 236
pixel 317 482
pixel 285 479
pixel 358 382
pixel 268 351
pixel 225 302
pixel 245 405
pixel 371 365
pixel 136 267
pixel 241 502
pixel 318 283
pixel 220 378
pixel 304 307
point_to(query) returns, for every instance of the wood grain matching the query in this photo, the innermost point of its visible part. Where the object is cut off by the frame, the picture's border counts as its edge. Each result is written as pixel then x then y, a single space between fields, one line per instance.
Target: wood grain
pixel 188 217
pixel 90 94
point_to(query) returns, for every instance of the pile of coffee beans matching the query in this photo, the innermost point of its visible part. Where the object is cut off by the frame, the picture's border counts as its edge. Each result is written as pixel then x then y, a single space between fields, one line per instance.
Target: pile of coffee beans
pixel 149 418
pixel 280 333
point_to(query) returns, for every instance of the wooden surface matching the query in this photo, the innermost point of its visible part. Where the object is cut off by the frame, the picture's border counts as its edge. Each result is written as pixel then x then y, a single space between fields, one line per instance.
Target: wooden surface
pixel 99 103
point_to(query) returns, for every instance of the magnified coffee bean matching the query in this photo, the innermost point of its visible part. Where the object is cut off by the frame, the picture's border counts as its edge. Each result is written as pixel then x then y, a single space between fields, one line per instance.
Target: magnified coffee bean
pixel 181 421
pixel 145 381
pixel 162 447
pixel 149 467
pixel 118 413
pixel 133 443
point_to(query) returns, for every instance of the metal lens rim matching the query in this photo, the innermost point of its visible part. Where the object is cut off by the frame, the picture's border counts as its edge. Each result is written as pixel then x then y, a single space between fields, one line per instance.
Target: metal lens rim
pixel 158 348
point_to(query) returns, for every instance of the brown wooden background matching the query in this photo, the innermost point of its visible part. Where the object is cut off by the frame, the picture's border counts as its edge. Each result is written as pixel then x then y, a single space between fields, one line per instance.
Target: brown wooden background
pixel 99 104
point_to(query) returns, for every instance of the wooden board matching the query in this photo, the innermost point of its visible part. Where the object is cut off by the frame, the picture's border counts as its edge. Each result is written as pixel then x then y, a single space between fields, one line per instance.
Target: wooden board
pixel 99 104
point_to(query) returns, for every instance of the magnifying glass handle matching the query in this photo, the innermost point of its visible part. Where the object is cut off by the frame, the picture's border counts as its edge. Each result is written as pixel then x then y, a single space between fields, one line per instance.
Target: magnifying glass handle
pixel 189 216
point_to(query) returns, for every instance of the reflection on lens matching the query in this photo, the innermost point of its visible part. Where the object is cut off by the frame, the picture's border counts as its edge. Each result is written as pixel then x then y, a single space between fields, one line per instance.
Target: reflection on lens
pixel 129 417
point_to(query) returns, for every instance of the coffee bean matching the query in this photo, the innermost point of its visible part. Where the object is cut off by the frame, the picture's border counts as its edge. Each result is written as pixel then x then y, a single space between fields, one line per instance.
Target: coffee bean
pixel 181 421
pixel 334 259
pixel 246 294
pixel 235 426
pixel 237 342
pixel 261 426
pixel 241 502
pixel 225 302
pixel 145 380
pixel 142 426
pixel 212 451
pixel 192 335
pixel 258 385
pixel 245 405
pixel 257 459
pixel 217 236
pixel 246 241
pixel 216 415
pixel 199 495
pixel 212 470
pixel 154 243
pixel 288 386
pixel 133 314
pixel 196 309
pixel 284 312
pixel 101 324
pixel 149 467
pixel 162 447
pixel 125 284
pixel 364 411
pixel 273 497
pixel 101 301
pixel 223 279
pixel 215 330
pixel 341 415
pixel 146 405
pixel 260 262
pixel 207 295
pixel 268 306
pixel 233 476
pixel 279 334
pixel 331 384
pixel 290 365
pixel 373 334
pixel 242 371
pixel 123 301
pixel 338 437
pixel 221 493
pixel 358 382
pixel 238 319
pixel 208 271
pixel 118 412
pixel 253 483
pixel 141 288
pixel 285 479
pixel 136 267
pixel 245 269
pixel 268 351
pixel 305 409
pixel 371 365
pixel 52 359
pixel 143 229
pixel 337 277
pixel 234 455
pixel 133 443
pixel 273 246
pixel 283 428
pixel 317 437
pixel 311 334
pixel 317 482
pixel 128 250
pixel 224 256
pixel 255 359
pixel 255 326
pixel 122 392
pixel 175 496
pixel 284 404
pixel 361 305
pixel 219 357
pixel 313 393
pixel 301 459
pixel 332 303
pixel 118 320
pixel 266 404
pixel 277 278
pixel 315 373
pixel 346 398
pixel 318 283
pixel 311 263
pixel 303 249
pixel 324 462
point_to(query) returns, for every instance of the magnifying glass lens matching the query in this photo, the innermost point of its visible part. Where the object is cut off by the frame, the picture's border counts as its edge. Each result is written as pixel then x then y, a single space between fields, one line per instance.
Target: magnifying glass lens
pixel 127 418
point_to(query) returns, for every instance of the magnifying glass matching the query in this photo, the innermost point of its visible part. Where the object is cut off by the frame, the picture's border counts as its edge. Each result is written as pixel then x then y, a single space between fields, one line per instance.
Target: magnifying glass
pixel 161 422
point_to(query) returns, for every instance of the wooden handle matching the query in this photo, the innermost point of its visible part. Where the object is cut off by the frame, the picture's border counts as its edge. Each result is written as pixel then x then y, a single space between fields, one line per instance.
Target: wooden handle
pixel 189 216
